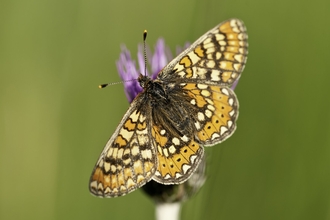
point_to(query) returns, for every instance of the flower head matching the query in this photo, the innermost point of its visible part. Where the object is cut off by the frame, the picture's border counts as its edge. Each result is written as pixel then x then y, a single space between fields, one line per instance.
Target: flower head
pixel 129 72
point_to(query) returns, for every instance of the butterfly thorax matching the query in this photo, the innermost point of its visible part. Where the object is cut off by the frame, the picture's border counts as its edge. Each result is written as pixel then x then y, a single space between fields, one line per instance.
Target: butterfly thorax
pixel 152 88
pixel 166 112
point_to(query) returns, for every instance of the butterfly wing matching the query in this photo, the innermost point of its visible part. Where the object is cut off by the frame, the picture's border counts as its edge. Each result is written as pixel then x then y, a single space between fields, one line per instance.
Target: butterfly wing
pixel 177 151
pixel 218 57
pixel 201 102
pixel 194 116
pixel 128 160
pixel 205 71
pixel 216 112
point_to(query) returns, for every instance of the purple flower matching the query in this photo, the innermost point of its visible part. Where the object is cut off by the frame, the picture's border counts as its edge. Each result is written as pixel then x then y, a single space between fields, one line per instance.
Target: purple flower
pixel 129 72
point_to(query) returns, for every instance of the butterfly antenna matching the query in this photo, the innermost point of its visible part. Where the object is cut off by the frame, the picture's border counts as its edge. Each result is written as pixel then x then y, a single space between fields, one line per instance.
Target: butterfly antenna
pixel 144 51
pixel 145 64
pixel 114 83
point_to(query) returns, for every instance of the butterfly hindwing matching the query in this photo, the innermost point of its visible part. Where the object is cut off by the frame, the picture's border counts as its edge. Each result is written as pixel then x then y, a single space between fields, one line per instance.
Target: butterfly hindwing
pixel 178 156
pixel 216 114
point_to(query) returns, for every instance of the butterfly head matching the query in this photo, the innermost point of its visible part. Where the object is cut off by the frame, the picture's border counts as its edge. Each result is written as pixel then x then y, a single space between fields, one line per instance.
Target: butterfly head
pixel 144 81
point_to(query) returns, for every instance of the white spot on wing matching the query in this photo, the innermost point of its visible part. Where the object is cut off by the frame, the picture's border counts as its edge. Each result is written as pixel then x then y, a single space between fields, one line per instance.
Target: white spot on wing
pixel 129 183
pixel 205 93
pixel 200 72
pixel 210 50
pixel 194 58
pixel 120 153
pixel 215 75
pixel 167 176
pixel 207 41
pixel 94 184
pixel 239 57
pixel 222 43
pixel 210 64
pixel 202 86
pixel 107 190
pixel 172 149
pixel 157 173
pixel 113 168
pixel 122 188
pixel 215 135
pixel 178 175
pixel 135 150
pixel 185 168
pixel 110 152
pixel 241 36
pixel 100 186
pixel 142 118
pixel 184 138
pixel 242 43
pixel 223 129
pixel 209 101
pixel 197 125
pixel 193 158
pixel 106 166
pixel 175 141
pixel 146 154
pixel 181 73
pixel 125 133
pixel 237 66
pixel 115 152
pixel 231 101
pixel 219 37
pixel 211 107
pixel 134 116
pixel 200 116
pixel 231 113
pixel 208 113
pixel 218 55
pixel 165 151
pixel 127 161
pixel 225 91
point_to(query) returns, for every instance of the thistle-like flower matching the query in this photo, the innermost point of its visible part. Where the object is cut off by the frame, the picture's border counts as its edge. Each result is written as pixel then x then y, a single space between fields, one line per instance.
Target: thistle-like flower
pixel 129 72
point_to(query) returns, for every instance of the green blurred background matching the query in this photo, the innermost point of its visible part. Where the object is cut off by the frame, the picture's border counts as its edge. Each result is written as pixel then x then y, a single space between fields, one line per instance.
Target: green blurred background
pixel 54 121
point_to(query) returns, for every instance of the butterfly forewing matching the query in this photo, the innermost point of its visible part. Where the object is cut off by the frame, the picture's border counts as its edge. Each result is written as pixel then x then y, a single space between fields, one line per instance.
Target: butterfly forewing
pixel 218 57
pixel 129 159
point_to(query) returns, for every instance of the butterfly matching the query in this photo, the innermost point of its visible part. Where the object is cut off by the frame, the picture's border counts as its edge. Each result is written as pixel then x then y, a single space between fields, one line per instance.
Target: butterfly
pixel 188 106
